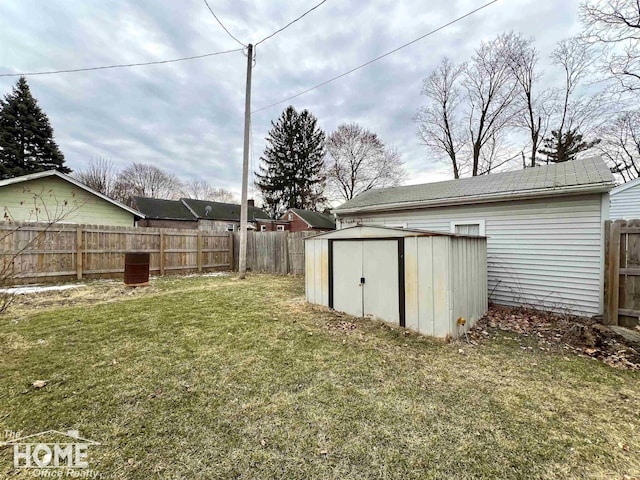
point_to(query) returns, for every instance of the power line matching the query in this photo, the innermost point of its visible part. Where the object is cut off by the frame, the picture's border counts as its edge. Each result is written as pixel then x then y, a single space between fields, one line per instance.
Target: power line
pixel 124 65
pixel 221 24
pixel 377 58
pixel 290 23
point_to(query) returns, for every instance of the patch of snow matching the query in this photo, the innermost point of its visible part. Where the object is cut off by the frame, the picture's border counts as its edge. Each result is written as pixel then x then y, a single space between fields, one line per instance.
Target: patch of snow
pixel 37 289
pixel 210 274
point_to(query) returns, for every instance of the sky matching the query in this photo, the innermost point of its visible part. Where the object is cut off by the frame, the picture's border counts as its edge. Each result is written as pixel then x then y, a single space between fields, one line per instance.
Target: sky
pixel 188 117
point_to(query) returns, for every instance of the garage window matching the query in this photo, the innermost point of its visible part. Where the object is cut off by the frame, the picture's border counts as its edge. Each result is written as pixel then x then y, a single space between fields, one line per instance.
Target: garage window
pixel 280 228
pixel 468 227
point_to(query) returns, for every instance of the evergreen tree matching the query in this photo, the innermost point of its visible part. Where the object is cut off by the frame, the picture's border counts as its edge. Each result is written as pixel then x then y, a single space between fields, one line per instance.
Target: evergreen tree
pixel 26 136
pixel 291 171
pixel 564 147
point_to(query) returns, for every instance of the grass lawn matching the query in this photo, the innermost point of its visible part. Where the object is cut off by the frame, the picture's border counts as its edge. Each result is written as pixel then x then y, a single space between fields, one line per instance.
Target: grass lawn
pixel 216 378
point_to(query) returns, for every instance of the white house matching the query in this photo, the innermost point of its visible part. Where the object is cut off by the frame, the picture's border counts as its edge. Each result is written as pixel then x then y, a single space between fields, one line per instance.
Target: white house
pixel 544 228
pixel 625 201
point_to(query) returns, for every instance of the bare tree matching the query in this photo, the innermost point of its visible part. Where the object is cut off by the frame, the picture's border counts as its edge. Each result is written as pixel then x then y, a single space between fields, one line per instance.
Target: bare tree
pixel 44 209
pixel 144 180
pixel 359 161
pixel 620 145
pixel 535 114
pixel 575 61
pixel 491 94
pixel 201 189
pixel 100 175
pixel 614 26
pixel 439 123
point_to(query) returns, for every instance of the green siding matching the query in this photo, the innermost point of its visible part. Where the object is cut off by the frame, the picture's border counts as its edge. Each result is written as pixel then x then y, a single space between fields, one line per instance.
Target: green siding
pixel 54 199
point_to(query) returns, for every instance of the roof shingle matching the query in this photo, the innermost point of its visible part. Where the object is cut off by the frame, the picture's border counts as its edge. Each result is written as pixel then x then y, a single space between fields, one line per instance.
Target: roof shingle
pixel 315 219
pixel 577 173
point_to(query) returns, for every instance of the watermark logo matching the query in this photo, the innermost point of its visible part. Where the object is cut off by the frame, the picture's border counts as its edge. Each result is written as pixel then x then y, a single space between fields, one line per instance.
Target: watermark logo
pixel 42 451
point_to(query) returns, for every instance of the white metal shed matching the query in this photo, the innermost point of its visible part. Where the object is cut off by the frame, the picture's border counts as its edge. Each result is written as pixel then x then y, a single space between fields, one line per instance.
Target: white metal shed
pixel 421 280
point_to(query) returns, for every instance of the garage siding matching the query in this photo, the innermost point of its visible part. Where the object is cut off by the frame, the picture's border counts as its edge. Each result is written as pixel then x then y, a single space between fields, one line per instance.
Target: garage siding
pixel 625 205
pixel 544 253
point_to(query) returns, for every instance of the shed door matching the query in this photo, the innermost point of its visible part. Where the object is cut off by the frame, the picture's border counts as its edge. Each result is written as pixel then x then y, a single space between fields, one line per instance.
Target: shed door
pixel 380 271
pixel 366 278
pixel 347 270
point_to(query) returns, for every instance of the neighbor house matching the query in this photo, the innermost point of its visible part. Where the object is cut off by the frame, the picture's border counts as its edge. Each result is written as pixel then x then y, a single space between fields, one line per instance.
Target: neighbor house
pixel 53 197
pixel 625 201
pixel 308 220
pixel 164 213
pixel 196 214
pixel 544 228
pixel 263 225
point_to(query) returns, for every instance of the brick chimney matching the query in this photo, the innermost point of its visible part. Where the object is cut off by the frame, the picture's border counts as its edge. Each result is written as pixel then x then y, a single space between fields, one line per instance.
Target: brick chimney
pixel 251 202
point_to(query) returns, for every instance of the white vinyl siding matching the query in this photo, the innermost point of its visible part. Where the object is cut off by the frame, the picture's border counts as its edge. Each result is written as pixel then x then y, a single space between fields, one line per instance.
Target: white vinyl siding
pixel 545 253
pixel 625 205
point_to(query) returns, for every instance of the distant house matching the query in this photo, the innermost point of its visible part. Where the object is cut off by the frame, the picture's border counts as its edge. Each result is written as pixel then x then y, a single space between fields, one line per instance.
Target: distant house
pixel 625 201
pixel 272 225
pixel 196 214
pixel 544 228
pixel 307 220
pixel 54 197
pixel 165 213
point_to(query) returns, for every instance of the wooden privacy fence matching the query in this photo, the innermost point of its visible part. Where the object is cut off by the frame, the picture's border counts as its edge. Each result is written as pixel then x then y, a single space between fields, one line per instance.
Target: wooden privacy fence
pixel 622 272
pixel 43 252
pixel 280 253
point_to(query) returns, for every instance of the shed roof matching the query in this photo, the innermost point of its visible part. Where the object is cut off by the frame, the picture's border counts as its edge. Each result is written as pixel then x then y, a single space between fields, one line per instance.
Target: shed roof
pixel 315 219
pixel 374 231
pixel 67 178
pixel 222 211
pixel 577 176
pixel 161 209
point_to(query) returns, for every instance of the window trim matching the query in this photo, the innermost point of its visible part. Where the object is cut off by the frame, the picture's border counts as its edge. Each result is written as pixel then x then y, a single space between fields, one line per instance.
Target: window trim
pixel 480 223
pixel 263 228
pixel 280 228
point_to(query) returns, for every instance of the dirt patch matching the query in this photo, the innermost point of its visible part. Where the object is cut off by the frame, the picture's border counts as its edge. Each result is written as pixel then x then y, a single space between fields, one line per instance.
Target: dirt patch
pixel 91 293
pixel 560 333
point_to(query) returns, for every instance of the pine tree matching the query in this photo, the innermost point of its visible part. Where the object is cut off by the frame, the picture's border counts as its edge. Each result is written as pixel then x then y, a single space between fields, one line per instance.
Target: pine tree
pixel 291 171
pixel 564 147
pixel 26 136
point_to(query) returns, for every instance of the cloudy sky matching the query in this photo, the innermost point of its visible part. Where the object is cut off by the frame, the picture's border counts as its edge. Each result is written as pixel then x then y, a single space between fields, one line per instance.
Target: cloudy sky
pixel 187 117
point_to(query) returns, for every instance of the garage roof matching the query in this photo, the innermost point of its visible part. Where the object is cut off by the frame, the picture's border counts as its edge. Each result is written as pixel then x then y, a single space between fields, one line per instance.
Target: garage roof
pixel 577 176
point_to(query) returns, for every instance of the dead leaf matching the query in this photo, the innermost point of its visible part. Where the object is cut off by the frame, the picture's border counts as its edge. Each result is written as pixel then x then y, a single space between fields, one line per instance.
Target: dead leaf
pixel 40 383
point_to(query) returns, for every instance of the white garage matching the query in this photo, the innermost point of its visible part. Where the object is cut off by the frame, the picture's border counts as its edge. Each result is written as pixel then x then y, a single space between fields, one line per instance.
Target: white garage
pixel 424 281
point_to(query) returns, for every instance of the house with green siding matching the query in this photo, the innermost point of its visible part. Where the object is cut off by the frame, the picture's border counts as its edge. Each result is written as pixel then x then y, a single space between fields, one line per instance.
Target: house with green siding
pixel 53 197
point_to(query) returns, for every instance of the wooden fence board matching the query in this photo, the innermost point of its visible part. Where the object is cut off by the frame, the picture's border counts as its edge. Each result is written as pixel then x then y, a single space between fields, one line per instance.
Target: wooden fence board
pixel 39 251
pixel 622 272
pixel 280 253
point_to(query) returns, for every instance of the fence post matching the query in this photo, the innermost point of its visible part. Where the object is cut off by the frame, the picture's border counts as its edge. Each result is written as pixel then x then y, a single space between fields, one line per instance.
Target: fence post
pixel 612 268
pixel 161 253
pixel 199 254
pixel 79 249
pixel 231 253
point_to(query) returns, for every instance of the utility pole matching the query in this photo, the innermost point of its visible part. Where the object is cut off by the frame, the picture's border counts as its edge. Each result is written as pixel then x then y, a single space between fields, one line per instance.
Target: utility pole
pixel 242 256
